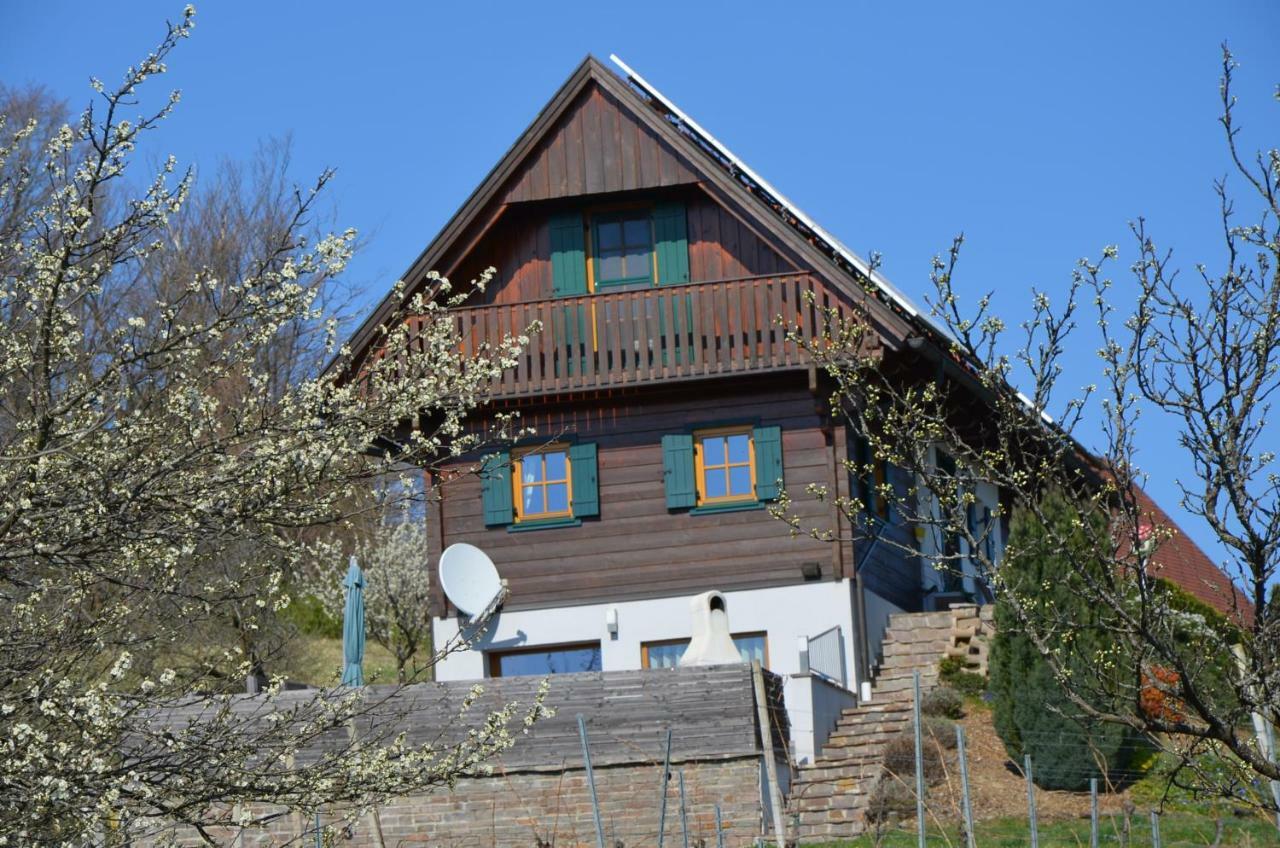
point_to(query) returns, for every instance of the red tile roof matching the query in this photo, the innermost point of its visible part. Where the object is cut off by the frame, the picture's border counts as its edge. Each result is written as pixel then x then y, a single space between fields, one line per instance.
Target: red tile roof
pixel 1181 561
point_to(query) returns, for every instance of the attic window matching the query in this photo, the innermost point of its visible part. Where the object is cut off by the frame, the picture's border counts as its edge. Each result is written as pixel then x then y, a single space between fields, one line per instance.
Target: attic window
pixel 622 248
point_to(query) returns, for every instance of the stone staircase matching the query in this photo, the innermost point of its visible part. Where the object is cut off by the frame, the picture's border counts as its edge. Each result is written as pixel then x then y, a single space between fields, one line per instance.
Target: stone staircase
pixel 829 796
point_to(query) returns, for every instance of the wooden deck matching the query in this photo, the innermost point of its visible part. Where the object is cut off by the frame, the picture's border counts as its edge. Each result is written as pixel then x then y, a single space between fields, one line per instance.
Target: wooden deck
pixel 610 340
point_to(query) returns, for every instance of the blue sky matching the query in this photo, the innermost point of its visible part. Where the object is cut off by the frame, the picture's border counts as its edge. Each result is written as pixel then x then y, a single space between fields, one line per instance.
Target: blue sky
pixel 1039 130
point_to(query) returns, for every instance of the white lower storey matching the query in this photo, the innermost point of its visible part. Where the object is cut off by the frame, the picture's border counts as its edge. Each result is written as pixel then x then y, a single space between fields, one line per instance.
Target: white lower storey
pixel 786 615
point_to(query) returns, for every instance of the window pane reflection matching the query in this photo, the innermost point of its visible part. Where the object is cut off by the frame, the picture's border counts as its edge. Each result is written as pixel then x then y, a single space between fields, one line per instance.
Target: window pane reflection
pixel 565 660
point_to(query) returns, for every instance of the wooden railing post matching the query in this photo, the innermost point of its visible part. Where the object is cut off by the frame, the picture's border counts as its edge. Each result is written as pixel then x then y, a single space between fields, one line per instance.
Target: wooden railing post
pixel 622 337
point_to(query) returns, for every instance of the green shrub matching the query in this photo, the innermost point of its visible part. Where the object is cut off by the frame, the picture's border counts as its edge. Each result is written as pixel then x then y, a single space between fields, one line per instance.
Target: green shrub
pixel 1030 710
pixel 944 702
pixel 940 731
pixel 953 672
pixel 1203 636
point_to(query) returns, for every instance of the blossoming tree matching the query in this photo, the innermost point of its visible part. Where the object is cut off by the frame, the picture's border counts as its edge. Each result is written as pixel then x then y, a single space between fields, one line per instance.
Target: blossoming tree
pixel 1204 351
pixel 157 475
pixel 397 591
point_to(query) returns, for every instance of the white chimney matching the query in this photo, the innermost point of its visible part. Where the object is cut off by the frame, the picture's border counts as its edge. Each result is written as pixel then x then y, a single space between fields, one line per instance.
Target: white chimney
pixel 711 643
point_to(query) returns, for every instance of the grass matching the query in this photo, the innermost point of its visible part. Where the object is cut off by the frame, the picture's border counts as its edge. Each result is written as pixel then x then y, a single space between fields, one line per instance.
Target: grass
pixel 318 660
pixel 316 656
pixel 1177 830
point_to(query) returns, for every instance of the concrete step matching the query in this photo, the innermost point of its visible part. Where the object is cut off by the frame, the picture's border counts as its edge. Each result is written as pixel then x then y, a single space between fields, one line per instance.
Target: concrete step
pixel 850 780
pixel 904 683
pixel 920 640
pixel 848 745
pixel 850 787
pixel 911 620
pixel 872 724
pixel 927 655
pixel 880 703
pixel 853 755
pixel 844 738
pixel 872 712
pixel 815 806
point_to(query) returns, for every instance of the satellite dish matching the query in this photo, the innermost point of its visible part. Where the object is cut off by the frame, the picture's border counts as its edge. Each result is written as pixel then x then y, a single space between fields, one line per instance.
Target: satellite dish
pixel 470 579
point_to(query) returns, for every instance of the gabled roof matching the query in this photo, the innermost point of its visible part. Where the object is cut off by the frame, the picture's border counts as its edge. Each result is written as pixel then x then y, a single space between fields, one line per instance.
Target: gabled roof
pixel 764 191
pixel 892 322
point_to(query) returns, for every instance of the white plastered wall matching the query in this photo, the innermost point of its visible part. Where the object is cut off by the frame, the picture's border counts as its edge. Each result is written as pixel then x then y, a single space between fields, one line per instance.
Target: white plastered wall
pixel 784 613
pixel 878 612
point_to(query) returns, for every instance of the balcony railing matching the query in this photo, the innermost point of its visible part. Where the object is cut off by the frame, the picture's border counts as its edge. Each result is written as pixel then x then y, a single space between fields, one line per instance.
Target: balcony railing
pixel 616 339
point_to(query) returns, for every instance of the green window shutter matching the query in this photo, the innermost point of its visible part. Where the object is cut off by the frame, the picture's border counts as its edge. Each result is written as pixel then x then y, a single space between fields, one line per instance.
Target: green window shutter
pixel 586 480
pixel 671 243
pixel 677 469
pixel 568 256
pixel 495 481
pixel 768 442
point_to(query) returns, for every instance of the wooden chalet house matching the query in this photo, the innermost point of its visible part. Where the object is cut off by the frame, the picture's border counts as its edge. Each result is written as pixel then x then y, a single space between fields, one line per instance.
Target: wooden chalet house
pixel 668 405
pixel 656 264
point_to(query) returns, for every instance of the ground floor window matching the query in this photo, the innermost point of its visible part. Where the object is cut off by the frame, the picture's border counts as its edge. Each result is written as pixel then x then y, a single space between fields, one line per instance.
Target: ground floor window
pixel 666 653
pixel 546 659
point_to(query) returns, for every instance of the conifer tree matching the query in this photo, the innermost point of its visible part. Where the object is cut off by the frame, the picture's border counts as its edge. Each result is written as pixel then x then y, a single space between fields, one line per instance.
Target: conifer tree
pixel 1032 712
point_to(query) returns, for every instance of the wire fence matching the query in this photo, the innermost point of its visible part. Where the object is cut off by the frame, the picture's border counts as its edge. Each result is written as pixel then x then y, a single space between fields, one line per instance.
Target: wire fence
pixel 935 794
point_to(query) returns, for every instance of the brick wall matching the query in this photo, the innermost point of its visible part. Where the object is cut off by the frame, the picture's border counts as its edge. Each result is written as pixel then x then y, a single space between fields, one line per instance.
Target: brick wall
pixel 554 808
pixel 544 808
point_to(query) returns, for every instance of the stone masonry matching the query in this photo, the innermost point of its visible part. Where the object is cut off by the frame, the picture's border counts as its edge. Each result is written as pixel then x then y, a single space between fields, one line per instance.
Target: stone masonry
pixel 540 809
pixel 545 809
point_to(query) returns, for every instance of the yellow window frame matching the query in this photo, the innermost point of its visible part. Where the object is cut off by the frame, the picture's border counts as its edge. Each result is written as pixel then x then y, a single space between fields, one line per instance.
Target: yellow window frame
pixel 700 466
pixel 518 484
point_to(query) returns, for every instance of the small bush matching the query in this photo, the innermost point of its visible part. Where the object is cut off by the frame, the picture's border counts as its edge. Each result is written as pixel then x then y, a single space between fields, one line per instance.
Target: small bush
pixel 940 730
pixel 900 758
pixel 952 671
pixel 969 683
pixel 942 701
pixel 890 797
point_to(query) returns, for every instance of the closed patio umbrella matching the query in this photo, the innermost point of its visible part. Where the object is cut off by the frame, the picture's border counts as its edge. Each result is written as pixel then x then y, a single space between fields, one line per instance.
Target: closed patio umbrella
pixel 353 627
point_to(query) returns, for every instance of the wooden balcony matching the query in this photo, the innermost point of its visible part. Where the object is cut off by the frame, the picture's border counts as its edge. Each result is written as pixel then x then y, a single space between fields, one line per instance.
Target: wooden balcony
pixel 616 339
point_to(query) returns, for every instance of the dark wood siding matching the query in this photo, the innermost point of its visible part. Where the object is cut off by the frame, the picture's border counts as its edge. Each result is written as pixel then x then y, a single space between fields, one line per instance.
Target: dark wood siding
pixel 721 247
pixel 889 571
pixel 519 248
pixel 637 548
pixel 596 148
